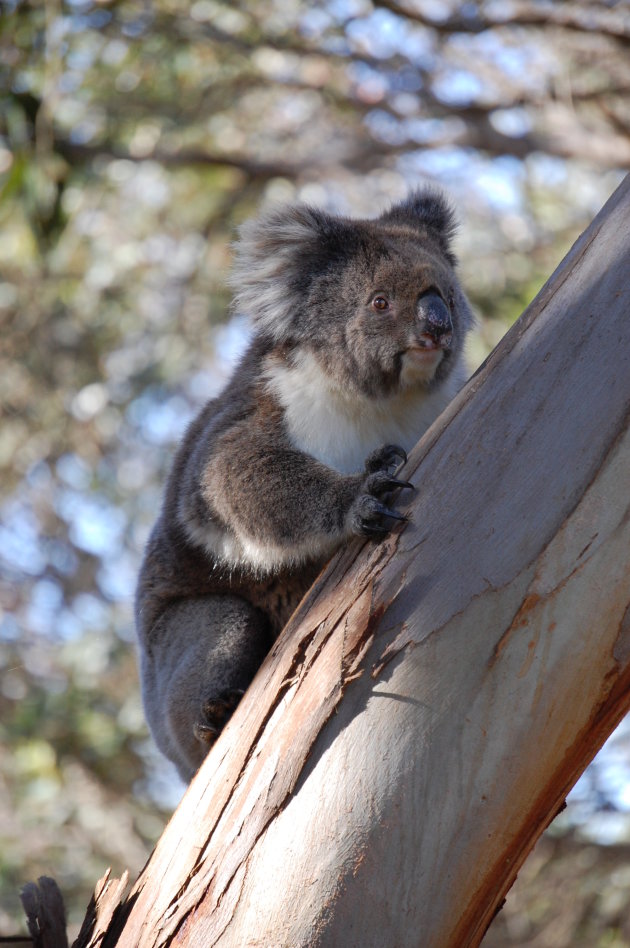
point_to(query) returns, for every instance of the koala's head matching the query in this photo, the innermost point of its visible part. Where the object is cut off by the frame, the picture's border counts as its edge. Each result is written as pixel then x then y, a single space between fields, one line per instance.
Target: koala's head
pixel 377 302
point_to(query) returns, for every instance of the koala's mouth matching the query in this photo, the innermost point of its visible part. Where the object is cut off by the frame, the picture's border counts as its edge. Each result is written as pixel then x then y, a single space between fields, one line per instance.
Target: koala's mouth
pixel 425 355
pixel 419 365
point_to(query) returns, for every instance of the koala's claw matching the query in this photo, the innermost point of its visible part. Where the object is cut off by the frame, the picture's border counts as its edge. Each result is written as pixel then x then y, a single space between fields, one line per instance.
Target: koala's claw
pixel 397 483
pixel 205 733
pixel 373 531
pixel 389 456
pixel 373 519
pixel 216 712
pixel 382 511
pixel 380 482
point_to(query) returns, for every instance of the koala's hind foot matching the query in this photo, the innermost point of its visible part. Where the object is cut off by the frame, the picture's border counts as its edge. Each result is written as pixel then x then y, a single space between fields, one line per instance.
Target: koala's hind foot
pixel 369 516
pixel 201 656
pixel 215 714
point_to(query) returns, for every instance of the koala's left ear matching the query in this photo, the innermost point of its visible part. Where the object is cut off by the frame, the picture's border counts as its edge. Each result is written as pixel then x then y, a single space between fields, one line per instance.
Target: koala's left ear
pixel 428 211
pixel 275 257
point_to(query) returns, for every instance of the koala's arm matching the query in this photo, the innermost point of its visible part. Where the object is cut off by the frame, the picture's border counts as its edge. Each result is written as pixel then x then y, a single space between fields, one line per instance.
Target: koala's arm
pixel 282 506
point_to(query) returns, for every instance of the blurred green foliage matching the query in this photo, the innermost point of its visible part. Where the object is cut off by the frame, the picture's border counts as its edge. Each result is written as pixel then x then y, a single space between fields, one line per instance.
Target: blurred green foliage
pixel 134 137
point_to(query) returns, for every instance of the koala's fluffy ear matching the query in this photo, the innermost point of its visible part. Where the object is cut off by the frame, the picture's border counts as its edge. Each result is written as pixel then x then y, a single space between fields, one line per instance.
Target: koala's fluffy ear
pixel 428 211
pixel 275 257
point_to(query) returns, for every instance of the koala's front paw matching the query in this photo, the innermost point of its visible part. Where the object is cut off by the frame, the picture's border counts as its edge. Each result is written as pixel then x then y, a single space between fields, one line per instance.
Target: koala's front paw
pixel 369 517
pixel 215 714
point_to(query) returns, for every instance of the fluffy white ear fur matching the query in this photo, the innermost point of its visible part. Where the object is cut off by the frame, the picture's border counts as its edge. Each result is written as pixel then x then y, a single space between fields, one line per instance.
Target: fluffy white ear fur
pixel 271 252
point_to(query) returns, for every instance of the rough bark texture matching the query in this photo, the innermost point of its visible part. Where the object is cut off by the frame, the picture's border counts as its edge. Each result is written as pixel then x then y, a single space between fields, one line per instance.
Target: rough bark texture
pixel 434 698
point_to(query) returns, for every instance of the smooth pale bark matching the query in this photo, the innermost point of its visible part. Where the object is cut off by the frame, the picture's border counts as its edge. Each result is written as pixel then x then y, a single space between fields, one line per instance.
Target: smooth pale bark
pixel 434 698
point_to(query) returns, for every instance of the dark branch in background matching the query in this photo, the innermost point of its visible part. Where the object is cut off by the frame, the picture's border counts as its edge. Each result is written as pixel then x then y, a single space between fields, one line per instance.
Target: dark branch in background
pixel 582 19
pixel 607 146
pixel 477 132
pixel 76 154
pixel 611 151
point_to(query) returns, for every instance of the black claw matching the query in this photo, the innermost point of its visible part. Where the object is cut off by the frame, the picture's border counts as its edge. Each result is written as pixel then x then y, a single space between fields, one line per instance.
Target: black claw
pixel 393 482
pixel 384 511
pixel 381 483
pixel 394 451
pixel 205 732
pixel 372 530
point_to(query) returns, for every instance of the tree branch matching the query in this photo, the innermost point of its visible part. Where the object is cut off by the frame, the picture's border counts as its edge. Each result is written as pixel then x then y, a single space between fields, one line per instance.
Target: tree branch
pixel 434 698
pixel 586 18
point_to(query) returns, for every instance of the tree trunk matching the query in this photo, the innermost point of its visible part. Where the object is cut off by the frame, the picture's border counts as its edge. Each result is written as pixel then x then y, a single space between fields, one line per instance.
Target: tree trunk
pixel 431 702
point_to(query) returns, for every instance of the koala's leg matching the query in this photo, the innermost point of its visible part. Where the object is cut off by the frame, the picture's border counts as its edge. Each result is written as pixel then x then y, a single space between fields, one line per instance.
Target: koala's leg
pixel 200 657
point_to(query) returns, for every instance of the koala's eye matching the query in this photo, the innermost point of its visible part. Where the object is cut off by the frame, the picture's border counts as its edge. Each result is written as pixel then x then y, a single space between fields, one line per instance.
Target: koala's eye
pixel 380 303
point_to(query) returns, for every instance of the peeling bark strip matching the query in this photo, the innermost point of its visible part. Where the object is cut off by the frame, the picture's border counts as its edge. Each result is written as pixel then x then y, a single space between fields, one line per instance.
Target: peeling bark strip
pixel 434 697
pixel 105 906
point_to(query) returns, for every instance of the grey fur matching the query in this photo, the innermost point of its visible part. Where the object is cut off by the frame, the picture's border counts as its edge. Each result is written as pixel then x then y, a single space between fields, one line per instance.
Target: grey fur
pixel 288 462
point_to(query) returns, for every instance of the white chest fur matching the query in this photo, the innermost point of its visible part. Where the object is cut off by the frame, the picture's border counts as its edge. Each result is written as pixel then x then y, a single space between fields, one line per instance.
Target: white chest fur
pixel 340 428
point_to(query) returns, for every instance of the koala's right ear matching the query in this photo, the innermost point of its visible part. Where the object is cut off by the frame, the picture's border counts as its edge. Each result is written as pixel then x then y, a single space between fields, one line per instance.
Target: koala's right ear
pixel 275 255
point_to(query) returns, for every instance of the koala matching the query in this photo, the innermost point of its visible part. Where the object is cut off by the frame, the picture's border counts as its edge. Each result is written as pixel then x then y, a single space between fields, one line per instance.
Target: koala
pixel 358 332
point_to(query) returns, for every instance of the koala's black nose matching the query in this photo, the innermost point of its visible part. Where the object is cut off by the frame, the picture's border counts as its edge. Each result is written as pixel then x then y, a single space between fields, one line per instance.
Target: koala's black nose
pixel 434 312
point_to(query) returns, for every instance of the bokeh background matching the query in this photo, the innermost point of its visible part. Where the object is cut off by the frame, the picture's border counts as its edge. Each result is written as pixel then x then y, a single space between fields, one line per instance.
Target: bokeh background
pixel 134 137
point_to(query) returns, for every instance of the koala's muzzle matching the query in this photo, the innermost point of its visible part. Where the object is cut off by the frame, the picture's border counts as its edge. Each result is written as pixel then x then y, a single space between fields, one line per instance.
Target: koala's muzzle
pixel 435 321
